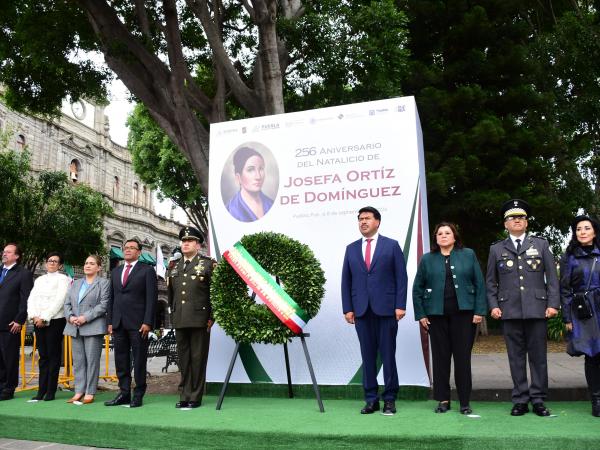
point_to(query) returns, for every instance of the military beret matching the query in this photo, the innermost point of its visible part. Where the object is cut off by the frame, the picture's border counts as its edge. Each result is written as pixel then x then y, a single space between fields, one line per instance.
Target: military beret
pixel 515 207
pixel 191 233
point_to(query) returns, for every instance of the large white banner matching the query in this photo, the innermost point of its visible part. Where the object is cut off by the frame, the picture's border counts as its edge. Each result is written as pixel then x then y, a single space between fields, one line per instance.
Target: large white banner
pixel 315 170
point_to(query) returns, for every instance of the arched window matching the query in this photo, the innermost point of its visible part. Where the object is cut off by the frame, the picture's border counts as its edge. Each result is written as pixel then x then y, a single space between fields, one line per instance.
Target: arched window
pixel 115 192
pixel 135 193
pixel 74 170
pixel 144 196
pixel 21 141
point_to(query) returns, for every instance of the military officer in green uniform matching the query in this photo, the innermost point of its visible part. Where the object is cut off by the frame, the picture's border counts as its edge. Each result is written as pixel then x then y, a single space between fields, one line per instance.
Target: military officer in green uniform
pixel 189 299
pixel 523 291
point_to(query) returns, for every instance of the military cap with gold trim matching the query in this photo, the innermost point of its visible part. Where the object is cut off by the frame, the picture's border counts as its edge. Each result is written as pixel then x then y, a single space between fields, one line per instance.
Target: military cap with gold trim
pixel 190 233
pixel 515 207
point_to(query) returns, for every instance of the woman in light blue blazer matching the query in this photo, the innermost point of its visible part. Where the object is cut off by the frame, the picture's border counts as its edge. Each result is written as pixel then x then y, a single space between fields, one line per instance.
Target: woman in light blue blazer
pixel 85 311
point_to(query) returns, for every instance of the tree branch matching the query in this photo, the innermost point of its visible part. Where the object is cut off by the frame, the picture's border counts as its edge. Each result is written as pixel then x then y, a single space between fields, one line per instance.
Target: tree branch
pixel 140 11
pixel 242 93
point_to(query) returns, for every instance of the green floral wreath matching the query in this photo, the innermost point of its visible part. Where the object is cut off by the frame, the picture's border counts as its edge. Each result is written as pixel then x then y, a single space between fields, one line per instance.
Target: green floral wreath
pixel 299 273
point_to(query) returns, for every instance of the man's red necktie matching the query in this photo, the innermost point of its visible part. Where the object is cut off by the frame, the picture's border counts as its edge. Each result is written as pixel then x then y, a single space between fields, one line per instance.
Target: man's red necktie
pixel 368 254
pixel 126 274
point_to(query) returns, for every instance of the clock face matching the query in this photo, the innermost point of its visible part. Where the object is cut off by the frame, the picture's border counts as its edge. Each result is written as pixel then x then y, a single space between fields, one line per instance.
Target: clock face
pixel 78 109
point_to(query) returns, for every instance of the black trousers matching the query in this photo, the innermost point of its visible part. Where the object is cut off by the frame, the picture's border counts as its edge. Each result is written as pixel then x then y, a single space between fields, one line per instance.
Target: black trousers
pixel 49 340
pixel 526 341
pixel 129 343
pixel 9 361
pixel 592 375
pixel 452 336
pixel 192 351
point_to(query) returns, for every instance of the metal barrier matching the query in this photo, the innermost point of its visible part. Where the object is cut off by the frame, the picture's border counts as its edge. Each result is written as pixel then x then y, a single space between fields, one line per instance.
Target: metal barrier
pixel 66 377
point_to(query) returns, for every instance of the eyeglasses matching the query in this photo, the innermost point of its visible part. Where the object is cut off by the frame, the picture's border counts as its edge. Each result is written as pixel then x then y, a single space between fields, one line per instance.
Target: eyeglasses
pixel 129 247
pixel 53 261
pixel 511 218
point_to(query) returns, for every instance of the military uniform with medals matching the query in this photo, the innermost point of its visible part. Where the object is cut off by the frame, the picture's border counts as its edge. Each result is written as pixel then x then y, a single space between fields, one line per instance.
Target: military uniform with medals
pixel 523 282
pixel 189 299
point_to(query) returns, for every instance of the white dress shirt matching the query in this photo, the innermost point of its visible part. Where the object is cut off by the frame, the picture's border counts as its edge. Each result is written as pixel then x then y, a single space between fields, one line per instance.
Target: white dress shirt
pixel 132 264
pixel 373 245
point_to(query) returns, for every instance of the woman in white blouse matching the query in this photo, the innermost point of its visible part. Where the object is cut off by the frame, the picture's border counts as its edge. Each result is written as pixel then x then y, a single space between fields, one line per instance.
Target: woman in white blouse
pixel 45 311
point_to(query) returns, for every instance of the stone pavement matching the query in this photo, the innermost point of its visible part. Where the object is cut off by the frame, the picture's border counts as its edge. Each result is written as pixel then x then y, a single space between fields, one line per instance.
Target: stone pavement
pixel 35 445
pixel 491 377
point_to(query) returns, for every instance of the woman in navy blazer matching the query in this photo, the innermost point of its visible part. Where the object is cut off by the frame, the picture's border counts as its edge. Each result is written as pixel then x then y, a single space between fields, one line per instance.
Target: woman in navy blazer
pixel 85 310
pixel 449 300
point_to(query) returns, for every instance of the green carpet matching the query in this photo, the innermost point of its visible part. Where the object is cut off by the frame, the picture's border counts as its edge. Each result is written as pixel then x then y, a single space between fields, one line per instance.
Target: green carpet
pixel 293 423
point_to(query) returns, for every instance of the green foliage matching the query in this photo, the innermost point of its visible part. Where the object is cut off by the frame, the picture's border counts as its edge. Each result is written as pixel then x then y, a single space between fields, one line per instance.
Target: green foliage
pixel 487 114
pixel 556 328
pixel 48 213
pixel 163 167
pixel 42 47
pixel 300 275
pixel 570 54
pixel 345 52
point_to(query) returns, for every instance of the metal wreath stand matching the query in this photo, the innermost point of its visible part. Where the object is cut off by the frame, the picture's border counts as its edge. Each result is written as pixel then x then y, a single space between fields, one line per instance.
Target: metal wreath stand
pixel 302 337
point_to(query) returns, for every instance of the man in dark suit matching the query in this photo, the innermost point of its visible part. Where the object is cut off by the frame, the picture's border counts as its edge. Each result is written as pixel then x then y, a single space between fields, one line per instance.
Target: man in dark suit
pixel 15 285
pixel 131 311
pixel 374 284
pixel 523 290
pixel 189 299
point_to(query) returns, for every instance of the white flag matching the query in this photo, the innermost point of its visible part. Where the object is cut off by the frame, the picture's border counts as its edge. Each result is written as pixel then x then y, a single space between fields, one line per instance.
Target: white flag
pixel 161 270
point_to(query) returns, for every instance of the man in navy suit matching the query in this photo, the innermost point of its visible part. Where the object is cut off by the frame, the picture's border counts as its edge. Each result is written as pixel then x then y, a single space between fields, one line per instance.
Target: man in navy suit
pixel 131 311
pixel 15 285
pixel 374 283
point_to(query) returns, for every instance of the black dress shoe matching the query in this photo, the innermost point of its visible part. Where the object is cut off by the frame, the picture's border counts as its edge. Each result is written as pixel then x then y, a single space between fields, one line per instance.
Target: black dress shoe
pixel 193 404
pixel 370 408
pixel 182 404
pixel 37 398
pixel 6 396
pixel 466 410
pixel 442 407
pixel 541 410
pixel 389 408
pixel 49 397
pixel 120 399
pixel 595 406
pixel 519 409
pixel 136 402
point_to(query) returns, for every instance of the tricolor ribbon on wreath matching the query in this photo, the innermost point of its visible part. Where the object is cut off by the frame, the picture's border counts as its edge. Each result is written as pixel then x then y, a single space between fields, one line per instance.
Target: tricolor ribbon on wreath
pixel 272 294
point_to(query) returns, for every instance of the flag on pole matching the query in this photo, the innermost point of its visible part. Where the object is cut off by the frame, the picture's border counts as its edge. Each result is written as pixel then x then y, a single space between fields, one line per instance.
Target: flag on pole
pixel 161 270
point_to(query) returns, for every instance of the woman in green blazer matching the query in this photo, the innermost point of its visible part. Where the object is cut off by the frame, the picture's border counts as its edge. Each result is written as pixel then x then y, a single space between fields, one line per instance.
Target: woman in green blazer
pixel 449 300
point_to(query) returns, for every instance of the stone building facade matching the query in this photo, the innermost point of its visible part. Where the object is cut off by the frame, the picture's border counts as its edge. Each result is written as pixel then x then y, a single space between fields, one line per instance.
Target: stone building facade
pixel 78 142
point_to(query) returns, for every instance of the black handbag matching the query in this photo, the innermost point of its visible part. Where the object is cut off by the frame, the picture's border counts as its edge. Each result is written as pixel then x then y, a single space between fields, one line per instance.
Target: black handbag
pixel 581 305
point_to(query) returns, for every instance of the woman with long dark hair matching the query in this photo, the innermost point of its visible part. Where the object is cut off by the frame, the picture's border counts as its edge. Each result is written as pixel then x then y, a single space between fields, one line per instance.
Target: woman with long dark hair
pixel 580 299
pixel 449 300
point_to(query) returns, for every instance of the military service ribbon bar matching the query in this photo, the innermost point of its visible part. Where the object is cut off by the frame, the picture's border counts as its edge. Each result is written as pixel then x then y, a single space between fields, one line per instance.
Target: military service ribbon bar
pixel 257 279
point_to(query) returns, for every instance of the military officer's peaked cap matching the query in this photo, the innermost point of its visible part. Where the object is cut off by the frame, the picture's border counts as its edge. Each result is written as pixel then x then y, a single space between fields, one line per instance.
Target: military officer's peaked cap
pixel 515 207
pixel 191 233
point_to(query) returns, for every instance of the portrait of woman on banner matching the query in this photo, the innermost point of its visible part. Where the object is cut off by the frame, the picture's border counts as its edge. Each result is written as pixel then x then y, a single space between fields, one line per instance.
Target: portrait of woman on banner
pixel 249 203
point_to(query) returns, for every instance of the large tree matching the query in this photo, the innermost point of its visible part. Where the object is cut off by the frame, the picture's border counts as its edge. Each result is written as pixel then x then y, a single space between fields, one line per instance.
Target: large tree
pixel 488 108
pixel 47 212
pixel 161 165
pixel 186 61
pixel 570 55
